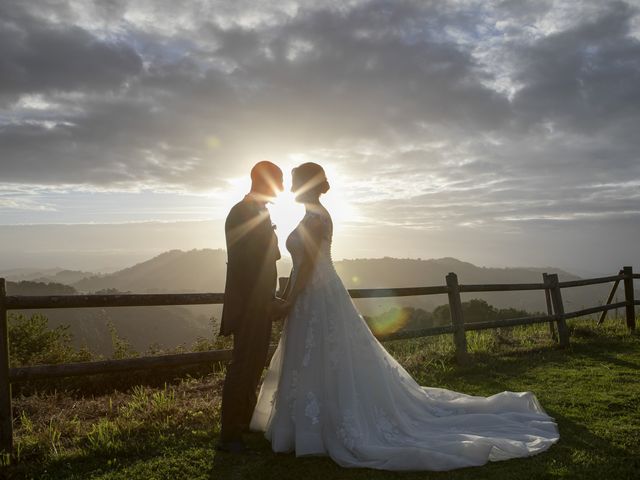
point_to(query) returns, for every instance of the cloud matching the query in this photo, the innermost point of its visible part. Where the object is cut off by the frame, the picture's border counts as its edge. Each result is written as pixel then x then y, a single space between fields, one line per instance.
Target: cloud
pixel 319 78
pixel 583 79
pixel 43 57
pixel 466 113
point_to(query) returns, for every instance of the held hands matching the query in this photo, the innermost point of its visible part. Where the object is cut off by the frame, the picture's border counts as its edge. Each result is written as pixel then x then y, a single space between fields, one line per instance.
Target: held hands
pixel 279 309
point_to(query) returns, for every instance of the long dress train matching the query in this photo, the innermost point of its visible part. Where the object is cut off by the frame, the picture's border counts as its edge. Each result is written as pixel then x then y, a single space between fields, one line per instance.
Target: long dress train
pixel 332 389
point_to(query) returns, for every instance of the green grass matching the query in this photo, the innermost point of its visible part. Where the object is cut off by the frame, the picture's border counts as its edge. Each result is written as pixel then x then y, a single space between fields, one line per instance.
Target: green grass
pixel 592 390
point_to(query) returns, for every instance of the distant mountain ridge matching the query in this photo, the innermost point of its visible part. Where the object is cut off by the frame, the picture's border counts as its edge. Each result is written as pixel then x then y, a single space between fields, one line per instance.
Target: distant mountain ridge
pixel 204 271
pixel 393 272
pixel 65 276
pixel 173 271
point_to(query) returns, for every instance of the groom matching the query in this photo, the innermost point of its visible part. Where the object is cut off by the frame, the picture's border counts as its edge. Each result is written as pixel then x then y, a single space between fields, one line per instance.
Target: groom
pixel 250 304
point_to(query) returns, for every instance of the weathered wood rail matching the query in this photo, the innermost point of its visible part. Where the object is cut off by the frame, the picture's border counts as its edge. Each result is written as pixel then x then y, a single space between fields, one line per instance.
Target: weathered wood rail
pixel 551 286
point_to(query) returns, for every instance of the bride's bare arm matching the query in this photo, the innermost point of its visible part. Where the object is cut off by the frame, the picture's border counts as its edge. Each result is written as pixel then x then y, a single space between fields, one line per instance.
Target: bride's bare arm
pixel 312 234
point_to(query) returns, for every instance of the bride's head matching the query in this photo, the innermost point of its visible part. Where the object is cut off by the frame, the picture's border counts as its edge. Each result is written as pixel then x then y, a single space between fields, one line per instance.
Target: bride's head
pixel 308 182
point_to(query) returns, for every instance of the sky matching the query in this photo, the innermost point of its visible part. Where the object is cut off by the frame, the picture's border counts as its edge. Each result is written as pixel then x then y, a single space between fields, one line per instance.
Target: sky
pixel 504 133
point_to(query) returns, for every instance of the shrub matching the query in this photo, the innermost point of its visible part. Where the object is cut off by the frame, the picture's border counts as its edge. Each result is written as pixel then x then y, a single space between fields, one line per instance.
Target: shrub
pixel 32 342
pixel 121 347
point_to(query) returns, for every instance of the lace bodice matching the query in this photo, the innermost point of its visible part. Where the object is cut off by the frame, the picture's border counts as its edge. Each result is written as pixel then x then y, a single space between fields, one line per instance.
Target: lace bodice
pixel 302 235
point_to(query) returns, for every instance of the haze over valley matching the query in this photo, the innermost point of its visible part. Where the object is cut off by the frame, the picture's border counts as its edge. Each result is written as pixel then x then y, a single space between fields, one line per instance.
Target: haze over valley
pixel 203 270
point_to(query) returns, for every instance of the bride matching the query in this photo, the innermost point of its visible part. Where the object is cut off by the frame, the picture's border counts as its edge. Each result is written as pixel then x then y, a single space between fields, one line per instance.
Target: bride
pixel 332 389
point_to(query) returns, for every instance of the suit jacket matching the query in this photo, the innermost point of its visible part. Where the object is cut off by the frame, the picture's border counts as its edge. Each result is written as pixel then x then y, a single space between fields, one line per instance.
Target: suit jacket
pixel 252 252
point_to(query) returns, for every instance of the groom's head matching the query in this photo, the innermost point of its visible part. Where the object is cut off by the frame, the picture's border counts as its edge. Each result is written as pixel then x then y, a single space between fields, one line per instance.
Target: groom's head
pixel 266 179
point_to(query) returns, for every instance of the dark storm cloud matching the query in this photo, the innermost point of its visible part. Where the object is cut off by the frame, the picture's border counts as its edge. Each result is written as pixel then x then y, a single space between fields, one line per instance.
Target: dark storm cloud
pixel 583 79
pixel 377 67
pixel 38 56
pixel 321 77
pixel 459 112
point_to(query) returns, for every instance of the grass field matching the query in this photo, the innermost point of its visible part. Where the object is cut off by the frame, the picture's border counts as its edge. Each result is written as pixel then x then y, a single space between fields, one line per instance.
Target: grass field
pixel 592 389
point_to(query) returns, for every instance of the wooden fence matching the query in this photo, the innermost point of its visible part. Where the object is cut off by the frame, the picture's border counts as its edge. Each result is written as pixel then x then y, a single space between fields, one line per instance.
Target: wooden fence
pixel 550 285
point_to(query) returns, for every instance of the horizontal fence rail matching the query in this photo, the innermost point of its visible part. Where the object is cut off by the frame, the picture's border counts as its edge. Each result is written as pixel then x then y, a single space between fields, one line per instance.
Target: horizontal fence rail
pixel 27 302
pixel 396 292
pixel 589 311
pixel 501 287
pixel 117 366
pixel 551 286
pixel 123 365
pixel 592 281
pixel 165 361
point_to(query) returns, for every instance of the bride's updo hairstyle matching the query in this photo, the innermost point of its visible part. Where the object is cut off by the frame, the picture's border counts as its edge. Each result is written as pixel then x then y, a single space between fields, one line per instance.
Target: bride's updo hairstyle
pixel 308 181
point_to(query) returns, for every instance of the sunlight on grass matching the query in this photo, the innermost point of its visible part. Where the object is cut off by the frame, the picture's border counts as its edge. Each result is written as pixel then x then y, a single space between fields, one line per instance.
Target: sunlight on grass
pixel 169 432
pixel 104 437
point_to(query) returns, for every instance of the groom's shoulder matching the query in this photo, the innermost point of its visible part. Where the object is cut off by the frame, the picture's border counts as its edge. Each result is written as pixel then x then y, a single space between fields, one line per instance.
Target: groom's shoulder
pixel 240 210
pixel 238 207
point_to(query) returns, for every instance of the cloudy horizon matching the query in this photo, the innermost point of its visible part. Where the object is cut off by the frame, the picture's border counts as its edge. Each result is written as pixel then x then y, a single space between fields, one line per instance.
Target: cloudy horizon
pixel 504 133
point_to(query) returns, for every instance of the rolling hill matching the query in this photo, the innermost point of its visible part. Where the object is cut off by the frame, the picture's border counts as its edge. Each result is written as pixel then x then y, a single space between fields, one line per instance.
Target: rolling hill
pixel 173 271
pixel 204 271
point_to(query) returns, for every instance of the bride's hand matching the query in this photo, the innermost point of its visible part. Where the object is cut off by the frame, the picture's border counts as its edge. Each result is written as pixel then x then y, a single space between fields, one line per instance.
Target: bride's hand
pixel 279 309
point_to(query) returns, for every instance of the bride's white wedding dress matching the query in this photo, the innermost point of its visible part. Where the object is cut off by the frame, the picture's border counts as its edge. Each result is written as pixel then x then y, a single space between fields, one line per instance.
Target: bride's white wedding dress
pixel 332 389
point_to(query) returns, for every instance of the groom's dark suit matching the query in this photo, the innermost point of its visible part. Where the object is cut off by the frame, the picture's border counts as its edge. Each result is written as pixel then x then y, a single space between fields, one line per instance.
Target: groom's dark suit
pixel 252 252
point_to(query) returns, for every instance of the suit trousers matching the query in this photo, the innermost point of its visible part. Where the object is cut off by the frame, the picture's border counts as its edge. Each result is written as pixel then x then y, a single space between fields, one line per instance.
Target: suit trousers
pixel 249 357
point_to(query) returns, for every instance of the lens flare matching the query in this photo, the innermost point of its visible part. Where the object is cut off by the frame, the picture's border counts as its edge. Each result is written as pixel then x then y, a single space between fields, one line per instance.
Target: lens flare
pixel 309 184
pixel 213 142
pixel 390 321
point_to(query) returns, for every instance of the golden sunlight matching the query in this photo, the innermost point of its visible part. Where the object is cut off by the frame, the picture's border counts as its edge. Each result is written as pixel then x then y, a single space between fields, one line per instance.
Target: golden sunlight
pixel 285 212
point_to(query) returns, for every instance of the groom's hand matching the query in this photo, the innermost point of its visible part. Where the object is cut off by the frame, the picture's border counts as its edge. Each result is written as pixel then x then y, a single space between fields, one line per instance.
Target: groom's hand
pixel 279 308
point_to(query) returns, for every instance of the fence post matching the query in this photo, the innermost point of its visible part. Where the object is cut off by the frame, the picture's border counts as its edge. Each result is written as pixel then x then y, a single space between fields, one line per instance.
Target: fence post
pixel 457 320
pixel 628 296
pixel 558 308
pixel 603 315
pixel 547 296
pixel 6 416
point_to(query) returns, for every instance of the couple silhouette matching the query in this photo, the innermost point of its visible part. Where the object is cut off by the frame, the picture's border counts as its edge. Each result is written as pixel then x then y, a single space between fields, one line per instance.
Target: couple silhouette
pixel 331 387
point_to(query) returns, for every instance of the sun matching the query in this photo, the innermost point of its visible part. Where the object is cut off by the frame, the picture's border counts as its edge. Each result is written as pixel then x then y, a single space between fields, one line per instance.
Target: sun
pixel 285 214
pixel 285 211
